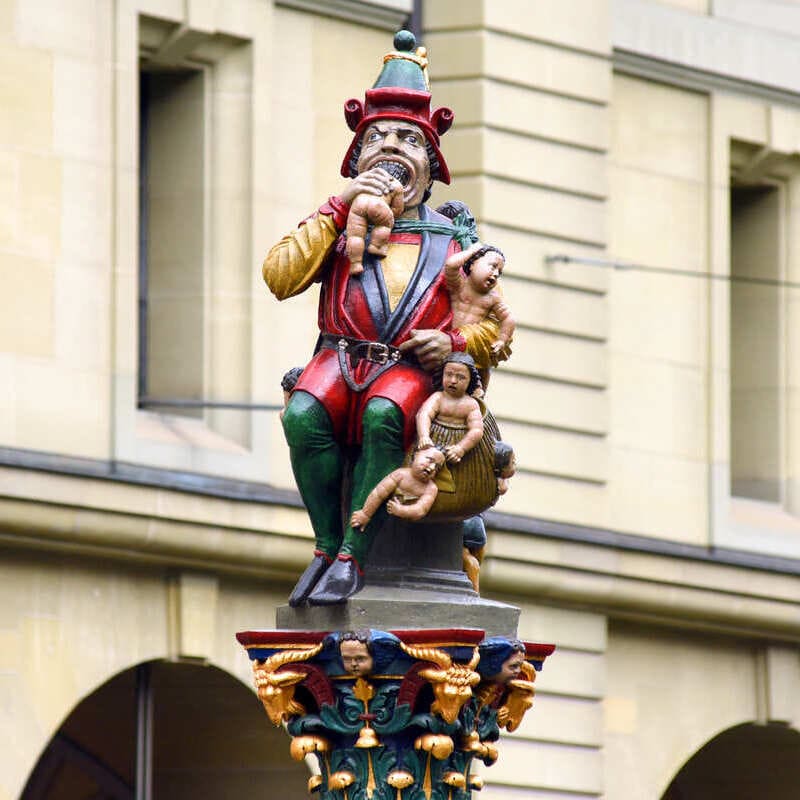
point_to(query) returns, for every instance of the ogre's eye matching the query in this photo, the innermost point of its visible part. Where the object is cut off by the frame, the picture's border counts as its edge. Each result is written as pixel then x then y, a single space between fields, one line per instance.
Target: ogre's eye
pixel 374 136
pixel 412 138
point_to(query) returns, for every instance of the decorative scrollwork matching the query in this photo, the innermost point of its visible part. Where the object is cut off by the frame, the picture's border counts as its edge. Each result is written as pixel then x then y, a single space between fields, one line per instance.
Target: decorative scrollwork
pixel 276 686
pixel 451 683
pixel 518 700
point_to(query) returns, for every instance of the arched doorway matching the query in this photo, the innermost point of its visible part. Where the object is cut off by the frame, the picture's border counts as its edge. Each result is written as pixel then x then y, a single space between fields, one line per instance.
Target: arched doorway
pixel 175 731
pixel 742 763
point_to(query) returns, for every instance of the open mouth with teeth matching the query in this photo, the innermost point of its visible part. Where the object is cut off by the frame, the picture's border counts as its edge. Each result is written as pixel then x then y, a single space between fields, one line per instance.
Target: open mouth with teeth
pixel 396 170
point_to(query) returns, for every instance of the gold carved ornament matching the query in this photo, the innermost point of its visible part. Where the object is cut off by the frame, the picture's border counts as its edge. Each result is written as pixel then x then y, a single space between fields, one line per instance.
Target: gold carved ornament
pixel 451 683
pixel 276 689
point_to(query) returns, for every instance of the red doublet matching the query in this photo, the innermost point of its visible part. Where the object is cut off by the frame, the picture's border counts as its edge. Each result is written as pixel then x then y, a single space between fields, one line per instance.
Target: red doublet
pixel 357 307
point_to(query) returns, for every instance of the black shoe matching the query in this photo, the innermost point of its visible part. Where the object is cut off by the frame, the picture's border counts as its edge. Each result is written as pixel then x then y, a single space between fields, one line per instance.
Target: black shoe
pixel 342 580
pixel 308 580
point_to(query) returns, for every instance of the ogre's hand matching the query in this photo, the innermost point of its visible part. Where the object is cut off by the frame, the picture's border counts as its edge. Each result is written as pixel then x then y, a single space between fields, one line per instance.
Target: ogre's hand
pixel 431 347
pixel 375 181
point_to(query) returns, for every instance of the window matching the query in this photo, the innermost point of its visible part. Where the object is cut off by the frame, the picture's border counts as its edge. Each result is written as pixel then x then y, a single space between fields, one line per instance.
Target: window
pixel 756 336
pixel 195 271
pixel 172 202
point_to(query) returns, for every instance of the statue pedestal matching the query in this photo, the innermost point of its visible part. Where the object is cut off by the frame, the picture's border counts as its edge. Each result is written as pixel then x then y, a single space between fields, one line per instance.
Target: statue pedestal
pixel 413 580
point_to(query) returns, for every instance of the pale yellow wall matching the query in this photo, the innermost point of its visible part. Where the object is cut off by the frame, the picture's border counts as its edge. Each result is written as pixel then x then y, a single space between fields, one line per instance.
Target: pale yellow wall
pixel 527 154
pixel 67 625
pixel 55 227
pixel 696 6
pixel 667 695
pixel 658 342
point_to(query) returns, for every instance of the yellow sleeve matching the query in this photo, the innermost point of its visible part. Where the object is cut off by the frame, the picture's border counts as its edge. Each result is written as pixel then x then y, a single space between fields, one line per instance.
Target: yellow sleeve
pixel 293 264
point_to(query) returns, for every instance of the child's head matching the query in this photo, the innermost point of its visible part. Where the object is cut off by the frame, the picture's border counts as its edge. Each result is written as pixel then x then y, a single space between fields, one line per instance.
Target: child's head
pixel 427 461
pixel 465 362
pixel 504 461
pixel 484 268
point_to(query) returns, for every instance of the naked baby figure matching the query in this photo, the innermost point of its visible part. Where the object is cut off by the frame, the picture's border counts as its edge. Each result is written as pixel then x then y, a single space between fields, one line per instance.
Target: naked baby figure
pixel 472 277
pixel 454 407
pixel 378 211
pixel 410 491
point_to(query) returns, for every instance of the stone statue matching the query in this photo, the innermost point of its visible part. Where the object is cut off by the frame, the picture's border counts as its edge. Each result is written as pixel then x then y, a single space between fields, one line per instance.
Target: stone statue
pixel 383 331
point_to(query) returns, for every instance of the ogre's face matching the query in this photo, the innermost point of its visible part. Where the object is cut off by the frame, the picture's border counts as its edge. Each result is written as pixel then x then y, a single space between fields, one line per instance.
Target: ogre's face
pixel 399 148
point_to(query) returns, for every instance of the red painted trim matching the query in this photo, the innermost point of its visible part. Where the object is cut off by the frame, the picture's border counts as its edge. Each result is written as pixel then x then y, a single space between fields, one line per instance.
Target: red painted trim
pixel 444 637
pixel 538 651
pixel 280 638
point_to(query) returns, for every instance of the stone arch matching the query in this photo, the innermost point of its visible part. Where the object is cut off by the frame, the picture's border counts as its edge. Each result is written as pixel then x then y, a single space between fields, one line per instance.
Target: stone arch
pixel 741 763
pixel 184 729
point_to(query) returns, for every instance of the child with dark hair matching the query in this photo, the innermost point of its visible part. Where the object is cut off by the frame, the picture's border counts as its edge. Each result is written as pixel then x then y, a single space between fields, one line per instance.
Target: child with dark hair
pixel 505 465
pixel 453 406
pixel 472 277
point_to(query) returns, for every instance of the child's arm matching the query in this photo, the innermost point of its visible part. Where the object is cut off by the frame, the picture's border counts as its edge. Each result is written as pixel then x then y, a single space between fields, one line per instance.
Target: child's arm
pixel 426 414
pixel 452 267
pixel 474 421
pixel 376 497
pixel 419 508
pixel 507 326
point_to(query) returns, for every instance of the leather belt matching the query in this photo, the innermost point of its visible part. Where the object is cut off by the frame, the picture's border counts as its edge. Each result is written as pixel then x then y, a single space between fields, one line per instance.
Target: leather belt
pixel 385 356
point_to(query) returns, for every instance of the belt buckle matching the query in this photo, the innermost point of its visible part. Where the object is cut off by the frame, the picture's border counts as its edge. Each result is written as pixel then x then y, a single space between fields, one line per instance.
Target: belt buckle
pixel 377 352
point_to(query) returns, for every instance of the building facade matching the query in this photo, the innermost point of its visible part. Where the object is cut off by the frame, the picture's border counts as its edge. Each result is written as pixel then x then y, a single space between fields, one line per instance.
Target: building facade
pixel 638 162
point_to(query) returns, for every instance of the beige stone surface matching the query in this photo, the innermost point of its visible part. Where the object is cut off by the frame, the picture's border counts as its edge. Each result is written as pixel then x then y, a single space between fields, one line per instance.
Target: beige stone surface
pixel 555 309
pixel 659 129
pixel 548 766
pixel 658 495
pixel 562 358
pixel 575 23
pixel 529 63
pixel 658 407
pixel 92 623
pixel 196 597
pixel 531 208
pixel 26 322
pixel 659 318
pixel 565 499
pixel 28 105
pixel 695 6
pixel 563 720
pixel 542 401
pixel 666 677
pixel 521 158
pixel 564 453
pixel 525 110
pixel 527 256
pixel 78 423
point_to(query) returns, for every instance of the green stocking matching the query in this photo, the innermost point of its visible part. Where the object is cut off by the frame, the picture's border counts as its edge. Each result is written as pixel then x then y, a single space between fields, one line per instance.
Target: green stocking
pixel 381 452
pixel 317 464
